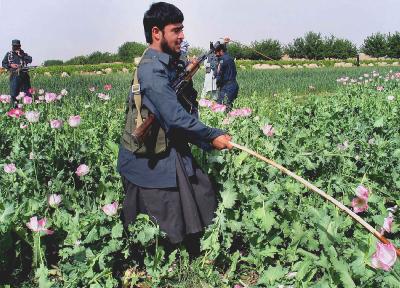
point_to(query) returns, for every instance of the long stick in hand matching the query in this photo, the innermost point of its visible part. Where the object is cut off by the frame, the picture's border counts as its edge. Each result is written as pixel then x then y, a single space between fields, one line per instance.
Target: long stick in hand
pixel 320 192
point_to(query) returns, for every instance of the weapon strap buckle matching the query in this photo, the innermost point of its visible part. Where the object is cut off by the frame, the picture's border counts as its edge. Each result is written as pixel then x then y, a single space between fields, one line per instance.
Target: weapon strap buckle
pixel 135 88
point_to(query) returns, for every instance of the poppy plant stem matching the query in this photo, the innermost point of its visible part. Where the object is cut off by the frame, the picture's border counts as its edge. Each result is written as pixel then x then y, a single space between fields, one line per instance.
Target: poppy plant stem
pixel 319 191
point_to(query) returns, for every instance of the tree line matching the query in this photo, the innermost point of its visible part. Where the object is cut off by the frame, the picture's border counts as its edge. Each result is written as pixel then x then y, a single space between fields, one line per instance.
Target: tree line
pixel 312 46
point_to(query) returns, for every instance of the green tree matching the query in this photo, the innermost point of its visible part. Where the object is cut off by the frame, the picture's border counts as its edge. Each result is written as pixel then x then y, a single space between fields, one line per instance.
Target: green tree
pixel 268 47
pixel 393 42
pixel 339 48
pixel 376 45
pixel 78 60
pixel 101 57
pixel 129 50
pixel 238 50
pixel 296 49
pixel 53 63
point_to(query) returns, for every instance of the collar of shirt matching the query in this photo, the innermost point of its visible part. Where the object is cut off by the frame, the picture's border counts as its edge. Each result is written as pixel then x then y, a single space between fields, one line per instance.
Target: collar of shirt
pixel 163 57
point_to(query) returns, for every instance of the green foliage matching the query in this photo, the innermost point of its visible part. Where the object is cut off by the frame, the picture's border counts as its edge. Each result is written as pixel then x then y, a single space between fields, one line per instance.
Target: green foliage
pixel 269 47
pixel 52 63
pixel 339 48
pixel 129 50
pixel 313 46
pixel 239 51
pixel 268 229
pixel 196 51
pixel 393 43
pixel 376 45
pixel 94 58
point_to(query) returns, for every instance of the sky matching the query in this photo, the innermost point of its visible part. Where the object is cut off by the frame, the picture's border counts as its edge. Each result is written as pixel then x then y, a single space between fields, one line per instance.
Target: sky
pixel 62 29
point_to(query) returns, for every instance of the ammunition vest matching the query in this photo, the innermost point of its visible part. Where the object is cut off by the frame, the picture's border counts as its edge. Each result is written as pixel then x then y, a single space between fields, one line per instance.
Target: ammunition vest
pixel 156 141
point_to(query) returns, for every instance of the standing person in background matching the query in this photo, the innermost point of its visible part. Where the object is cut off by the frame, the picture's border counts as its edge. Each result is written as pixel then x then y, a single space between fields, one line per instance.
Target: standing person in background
pixel 225 75
pixel 210 84
pixel 16 62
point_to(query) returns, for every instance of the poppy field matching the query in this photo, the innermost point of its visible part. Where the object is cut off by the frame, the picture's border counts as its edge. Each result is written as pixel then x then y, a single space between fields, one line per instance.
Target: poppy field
pixel 338 128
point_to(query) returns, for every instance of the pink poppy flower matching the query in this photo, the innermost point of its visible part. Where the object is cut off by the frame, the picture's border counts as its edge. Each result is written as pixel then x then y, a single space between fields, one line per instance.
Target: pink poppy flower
pixel 10 168
pixel 227 121
pixel 110 209
pixel 362 192
pixel 203 102
pixel 50 97
pixel 92 89
pixel 107 87
pixel 64 92
pixel 5 98
pixel 244 112
pixel 359 205
pixel 15 113
pixel 54 200
pixel 387 224
pixel 56 124
pixel 82 170
pixel 104 97
pixel 20 95
pixel 23 126
pixel 32 116
pixel 268 130
pixel 218 108
pixel 74 121
pixel 380 88
pixel 32 90
pixel 343 146
pixel 38 226
pixel 27 100
pixel 384 257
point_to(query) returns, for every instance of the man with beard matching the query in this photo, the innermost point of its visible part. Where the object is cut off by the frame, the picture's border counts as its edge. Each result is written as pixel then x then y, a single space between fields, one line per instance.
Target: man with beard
pixel 16 62
pixel 162 179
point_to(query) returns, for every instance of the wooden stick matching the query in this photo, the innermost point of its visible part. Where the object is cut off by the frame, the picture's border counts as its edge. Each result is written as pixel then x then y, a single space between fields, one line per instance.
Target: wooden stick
pixel 320 192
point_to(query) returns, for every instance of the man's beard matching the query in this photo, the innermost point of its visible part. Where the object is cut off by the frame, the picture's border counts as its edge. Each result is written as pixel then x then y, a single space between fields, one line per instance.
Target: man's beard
pixel 166 49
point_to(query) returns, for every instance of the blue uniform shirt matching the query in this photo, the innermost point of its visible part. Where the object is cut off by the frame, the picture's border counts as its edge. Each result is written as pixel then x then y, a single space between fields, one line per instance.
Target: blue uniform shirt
pixel 227 71
pixel 13 58
pixel 155 79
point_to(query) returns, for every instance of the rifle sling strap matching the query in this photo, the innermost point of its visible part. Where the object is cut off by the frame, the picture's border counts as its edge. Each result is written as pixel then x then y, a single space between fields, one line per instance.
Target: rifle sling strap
pixel 137 97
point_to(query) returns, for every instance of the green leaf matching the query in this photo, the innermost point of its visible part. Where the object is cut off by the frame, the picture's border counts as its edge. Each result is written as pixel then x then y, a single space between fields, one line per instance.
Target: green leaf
pixel 41 275
pixel 229 197
pixel 264 218
pixel 239 159
pixel 116 231
pixel 272 274
pixel 379 122
pixel 8 210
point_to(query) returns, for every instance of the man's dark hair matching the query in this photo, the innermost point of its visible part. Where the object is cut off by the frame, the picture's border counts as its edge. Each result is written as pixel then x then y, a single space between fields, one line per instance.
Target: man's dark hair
pixel 160 14
pixel 219 46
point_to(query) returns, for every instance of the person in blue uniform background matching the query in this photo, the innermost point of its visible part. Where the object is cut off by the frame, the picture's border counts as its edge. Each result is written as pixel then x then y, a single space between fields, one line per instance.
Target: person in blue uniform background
pixel 225 75
pixel 15 61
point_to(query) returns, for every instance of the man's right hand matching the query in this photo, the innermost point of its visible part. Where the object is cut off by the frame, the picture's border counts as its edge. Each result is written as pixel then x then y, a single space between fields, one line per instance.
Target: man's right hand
pixel 15 66
pixel 222 142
